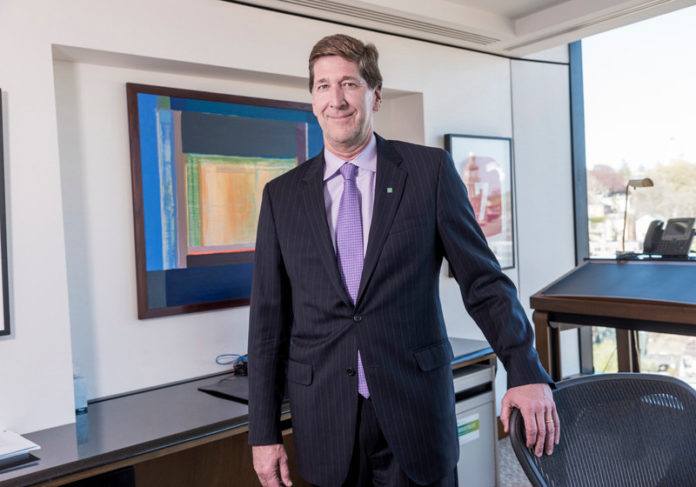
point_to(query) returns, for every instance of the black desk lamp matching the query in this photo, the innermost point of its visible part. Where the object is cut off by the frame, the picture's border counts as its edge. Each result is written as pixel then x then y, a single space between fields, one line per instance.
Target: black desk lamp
pixel 632 183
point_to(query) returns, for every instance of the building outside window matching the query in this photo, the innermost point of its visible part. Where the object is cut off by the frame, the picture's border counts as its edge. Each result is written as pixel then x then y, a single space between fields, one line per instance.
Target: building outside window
pixel 640 121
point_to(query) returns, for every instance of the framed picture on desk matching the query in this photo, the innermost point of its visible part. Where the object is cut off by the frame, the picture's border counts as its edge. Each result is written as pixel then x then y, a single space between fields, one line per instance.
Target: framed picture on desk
pixel 485 166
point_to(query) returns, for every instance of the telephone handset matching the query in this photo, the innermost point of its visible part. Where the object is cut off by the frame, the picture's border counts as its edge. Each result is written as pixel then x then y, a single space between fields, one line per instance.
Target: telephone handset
pixel 674 241
pixel 652 236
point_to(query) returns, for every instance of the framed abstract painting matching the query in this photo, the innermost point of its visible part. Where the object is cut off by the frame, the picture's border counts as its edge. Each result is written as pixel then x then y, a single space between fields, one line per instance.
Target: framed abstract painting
pixel 199 164
pixel 5 301
pixel 485 166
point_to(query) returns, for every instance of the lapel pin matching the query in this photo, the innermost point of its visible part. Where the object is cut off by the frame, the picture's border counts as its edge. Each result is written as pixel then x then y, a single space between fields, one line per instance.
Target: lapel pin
pixel 390 190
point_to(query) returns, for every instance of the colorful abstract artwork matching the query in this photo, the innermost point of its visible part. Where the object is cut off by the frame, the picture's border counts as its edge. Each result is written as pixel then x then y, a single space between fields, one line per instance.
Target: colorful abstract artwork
pixel 4 283
pixel 199 163
pixel 485 166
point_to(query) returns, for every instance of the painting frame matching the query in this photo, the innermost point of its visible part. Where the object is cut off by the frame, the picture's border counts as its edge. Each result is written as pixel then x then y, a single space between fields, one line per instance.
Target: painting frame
pixel 5 328
pixel 491 190
pixel 199 161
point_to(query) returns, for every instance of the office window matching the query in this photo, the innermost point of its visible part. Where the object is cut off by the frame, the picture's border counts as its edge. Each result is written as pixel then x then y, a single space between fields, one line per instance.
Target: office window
pixel 640 121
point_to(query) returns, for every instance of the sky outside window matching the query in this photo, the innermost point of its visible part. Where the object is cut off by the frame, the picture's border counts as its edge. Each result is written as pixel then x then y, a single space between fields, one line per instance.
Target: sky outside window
pixel 640 121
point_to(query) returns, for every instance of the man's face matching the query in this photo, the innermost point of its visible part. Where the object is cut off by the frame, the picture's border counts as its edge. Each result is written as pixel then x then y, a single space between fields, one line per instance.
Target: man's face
pixel 344 104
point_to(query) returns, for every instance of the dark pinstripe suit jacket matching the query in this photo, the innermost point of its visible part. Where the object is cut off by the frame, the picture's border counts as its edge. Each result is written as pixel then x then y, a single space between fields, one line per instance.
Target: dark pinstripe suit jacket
pixel 303 325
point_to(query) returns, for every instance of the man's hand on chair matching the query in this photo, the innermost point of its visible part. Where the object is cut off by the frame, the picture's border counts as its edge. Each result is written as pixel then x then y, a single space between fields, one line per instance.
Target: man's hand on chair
pixel 535 402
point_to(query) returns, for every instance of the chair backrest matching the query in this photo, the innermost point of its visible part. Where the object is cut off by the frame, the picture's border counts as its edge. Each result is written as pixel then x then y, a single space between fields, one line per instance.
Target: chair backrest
pixel 617 430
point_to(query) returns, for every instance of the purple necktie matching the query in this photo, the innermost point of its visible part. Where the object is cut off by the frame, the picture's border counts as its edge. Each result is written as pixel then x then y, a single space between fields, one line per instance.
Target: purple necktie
pixel 349 246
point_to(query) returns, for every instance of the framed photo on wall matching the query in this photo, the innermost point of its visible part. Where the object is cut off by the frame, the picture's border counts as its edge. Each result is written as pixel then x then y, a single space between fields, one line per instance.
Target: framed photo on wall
pixel 199 163
pixel 5 301
pixel 485 166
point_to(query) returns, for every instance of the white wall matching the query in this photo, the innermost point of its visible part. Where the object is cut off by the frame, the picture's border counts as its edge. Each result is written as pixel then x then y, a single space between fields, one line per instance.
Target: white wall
pixel 68 174
pixel 544 182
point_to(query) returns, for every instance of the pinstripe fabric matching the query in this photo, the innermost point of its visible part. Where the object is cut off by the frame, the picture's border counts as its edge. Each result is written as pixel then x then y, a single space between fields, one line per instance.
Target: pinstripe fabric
pixel 302 315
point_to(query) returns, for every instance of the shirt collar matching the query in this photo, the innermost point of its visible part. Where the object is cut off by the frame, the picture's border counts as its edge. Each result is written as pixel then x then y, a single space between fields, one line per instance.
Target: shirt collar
pixel 367 159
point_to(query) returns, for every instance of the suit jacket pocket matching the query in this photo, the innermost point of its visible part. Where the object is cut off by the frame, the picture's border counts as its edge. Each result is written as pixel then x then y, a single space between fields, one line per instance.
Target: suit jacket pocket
pixel 434 356
pixel 300 373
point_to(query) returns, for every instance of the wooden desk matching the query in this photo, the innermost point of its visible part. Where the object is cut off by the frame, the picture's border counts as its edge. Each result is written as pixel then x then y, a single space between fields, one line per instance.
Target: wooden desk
pixel 174 436
pixel 139 429
pixel 650 295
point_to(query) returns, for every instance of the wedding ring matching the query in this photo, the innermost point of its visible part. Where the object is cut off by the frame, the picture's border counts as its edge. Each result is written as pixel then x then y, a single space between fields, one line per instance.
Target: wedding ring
pixel 549 420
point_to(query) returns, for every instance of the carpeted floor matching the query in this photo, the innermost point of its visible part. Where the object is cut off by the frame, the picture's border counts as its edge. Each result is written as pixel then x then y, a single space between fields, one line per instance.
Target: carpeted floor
pixel 510 473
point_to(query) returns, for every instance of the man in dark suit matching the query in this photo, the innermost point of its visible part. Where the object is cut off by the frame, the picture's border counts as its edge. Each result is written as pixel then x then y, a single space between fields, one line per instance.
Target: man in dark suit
pixel 345 301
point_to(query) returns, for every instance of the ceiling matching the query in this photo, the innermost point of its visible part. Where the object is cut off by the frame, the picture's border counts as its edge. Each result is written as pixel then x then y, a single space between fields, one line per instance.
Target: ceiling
pixel 514 28
pixel 508 8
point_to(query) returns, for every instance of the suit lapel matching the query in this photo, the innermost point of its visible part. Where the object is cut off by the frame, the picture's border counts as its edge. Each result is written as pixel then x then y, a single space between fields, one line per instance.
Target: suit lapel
pixel 389 187
pixel 313 199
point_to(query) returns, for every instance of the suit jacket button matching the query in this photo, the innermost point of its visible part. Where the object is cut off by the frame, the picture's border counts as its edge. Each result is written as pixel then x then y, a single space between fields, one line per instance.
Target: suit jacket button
pixel 350 371
pixel 357 318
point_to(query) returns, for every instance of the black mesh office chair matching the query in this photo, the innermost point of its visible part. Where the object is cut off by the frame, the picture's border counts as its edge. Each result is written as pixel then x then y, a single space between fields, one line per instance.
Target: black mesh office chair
pixel 617 430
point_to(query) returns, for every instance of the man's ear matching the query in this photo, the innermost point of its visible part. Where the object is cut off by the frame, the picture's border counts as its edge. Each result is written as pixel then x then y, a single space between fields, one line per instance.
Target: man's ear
pixel 378 100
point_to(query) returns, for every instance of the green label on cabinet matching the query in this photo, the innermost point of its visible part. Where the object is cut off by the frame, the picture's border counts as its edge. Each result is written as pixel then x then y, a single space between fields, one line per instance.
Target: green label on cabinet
pixel 468 428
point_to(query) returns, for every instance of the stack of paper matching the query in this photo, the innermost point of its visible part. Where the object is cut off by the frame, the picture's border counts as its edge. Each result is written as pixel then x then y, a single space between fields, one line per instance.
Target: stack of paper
pixel 13 447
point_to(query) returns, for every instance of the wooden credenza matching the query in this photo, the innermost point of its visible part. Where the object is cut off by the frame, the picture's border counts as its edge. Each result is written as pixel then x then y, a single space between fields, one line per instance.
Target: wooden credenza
pixel 174 436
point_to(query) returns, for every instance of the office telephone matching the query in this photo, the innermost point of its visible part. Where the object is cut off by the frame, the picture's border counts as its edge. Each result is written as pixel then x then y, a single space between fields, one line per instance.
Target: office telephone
pixel 674 241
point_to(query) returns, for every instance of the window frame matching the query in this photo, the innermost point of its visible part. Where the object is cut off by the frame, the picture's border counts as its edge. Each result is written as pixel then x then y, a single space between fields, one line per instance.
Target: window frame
pixel 579 170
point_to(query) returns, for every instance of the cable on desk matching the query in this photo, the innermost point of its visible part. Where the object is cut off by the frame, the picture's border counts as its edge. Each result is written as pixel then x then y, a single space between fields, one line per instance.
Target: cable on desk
pixel 238 362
